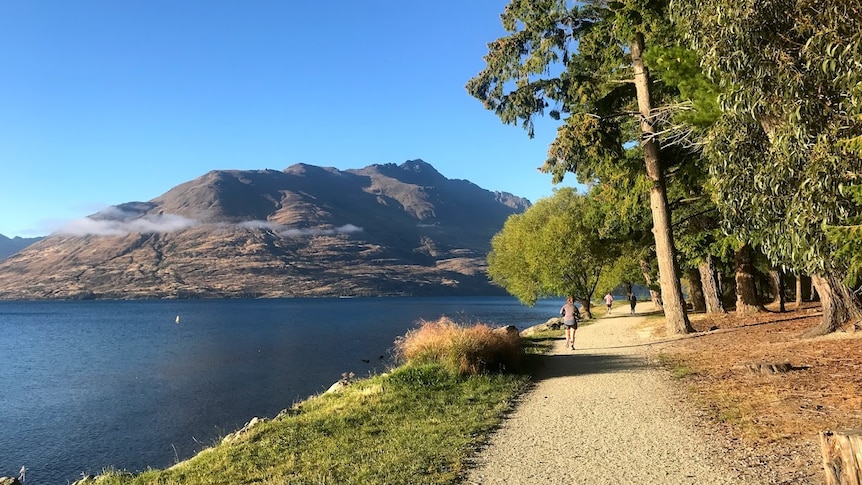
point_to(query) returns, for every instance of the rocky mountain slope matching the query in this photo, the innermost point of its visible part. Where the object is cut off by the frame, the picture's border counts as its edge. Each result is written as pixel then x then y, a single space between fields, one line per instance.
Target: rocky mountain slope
pixel 307 231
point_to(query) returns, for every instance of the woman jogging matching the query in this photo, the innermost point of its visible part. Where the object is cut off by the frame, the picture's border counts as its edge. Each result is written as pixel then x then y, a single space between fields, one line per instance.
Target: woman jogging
pixel 570 314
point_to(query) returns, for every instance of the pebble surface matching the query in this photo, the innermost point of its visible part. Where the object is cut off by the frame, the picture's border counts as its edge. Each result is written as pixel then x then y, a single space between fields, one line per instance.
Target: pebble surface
pixel 601 414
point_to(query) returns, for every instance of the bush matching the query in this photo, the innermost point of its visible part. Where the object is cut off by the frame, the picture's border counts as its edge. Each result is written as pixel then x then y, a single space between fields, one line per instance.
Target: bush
pixel 461 350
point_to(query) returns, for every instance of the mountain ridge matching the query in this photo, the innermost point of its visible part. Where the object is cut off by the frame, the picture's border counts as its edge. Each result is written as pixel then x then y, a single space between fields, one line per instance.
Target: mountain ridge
pixel 304 231
pixel 11 245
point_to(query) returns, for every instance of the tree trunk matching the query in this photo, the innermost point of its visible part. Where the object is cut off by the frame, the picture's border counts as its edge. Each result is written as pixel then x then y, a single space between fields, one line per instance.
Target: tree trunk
pixel 777 284
pixel 695 289
pixel 654 295
pixel 813 292
pixel 676 318
pixel 746 293
pixel 842 456
pixel 774 285
pixel 798 291
pixel 839 305
pixel 628 287
pixel 587 306
pixel 711 285
pixel 782 292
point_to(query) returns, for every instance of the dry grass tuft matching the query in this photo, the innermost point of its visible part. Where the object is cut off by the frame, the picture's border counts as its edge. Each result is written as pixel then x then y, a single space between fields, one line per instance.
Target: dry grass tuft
pixel 461 350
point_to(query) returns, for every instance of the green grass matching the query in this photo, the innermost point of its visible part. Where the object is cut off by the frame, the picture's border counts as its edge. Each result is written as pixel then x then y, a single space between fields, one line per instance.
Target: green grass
pixel 678 368
pixel 415 425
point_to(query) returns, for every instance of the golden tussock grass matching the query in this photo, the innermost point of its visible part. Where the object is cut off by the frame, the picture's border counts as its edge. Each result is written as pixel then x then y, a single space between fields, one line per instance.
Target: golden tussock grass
pixel 461 350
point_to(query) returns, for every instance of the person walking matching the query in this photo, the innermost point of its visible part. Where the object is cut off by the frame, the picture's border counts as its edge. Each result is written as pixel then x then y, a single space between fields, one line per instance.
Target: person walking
pixel 633 300
pixel 570 315
pixel 609 299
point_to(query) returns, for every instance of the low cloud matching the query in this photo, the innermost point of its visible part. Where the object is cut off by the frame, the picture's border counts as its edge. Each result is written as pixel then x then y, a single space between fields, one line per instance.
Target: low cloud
pixel 285 231
pixel 297 233
pixel 121 223
pixel 260 225
pixel 117 222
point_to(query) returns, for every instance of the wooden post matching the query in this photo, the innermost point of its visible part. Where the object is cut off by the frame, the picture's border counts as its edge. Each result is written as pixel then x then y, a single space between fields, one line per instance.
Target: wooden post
pixel 842 456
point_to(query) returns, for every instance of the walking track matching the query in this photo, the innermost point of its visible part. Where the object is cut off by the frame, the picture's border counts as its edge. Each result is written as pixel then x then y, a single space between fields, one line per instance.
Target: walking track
pixel 601 414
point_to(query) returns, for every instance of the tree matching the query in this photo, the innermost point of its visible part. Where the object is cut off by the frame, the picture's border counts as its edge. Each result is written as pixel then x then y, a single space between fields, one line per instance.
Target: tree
pixel 784 147
pixel 586 60
pixel 848 241
pixel 552 249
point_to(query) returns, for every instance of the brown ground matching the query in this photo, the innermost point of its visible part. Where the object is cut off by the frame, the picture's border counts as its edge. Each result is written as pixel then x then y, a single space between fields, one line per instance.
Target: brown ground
pixel 772 420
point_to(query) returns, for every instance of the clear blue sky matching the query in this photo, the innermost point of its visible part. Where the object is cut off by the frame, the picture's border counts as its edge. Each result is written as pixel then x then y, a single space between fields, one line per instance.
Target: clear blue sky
pixel 104 101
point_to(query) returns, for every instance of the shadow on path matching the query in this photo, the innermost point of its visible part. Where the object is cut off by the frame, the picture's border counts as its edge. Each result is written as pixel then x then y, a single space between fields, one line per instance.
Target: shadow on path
pixel 561 365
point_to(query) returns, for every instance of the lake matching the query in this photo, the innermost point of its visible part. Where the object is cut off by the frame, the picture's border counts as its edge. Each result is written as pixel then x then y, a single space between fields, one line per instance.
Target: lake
pixel 88 385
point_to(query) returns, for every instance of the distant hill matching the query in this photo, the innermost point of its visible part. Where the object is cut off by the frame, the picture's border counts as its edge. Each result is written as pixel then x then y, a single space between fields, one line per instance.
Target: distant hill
pixel 305 231
pixel 10 246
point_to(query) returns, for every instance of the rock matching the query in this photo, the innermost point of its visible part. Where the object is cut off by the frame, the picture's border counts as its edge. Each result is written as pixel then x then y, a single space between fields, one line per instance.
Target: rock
pixel 9 481
pixel 337 386
pixel 294 411
pixel 508 330
pixel 552 324
pixel 244 430
pixel 87 480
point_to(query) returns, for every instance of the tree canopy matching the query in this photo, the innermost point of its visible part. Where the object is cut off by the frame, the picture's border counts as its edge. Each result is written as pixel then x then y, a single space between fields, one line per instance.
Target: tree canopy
pixel 732 121
pixel 583 64
pixel 553 249
pixel 784 149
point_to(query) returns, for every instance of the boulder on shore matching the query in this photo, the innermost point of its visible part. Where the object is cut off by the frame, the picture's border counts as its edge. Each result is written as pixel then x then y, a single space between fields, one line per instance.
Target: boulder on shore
pixel 552 324
pixel 244 430
pixel 507 330
pixel 9 481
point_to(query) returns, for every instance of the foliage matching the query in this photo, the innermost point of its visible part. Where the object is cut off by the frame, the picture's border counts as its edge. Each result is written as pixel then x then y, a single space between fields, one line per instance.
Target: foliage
pixel 574 63
pixel 582 62
pixel 679 67
pixel 552 249
pixel 460 350
pixel 788 140
pixel 848 241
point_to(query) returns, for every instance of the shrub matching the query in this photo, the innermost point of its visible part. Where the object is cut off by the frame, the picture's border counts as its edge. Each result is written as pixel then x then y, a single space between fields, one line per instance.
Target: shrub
pixel 460 349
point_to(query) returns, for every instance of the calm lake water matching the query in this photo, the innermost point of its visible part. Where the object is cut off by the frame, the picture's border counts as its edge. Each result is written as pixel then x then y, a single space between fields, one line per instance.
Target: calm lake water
pixel 93 384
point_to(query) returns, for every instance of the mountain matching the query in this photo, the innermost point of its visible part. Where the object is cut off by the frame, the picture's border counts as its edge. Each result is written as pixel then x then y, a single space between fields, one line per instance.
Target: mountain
pixel 305 231
pixel 10 246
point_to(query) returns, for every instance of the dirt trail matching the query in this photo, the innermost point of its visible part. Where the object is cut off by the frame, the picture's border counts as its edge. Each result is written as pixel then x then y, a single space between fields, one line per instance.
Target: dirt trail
pixel 601 415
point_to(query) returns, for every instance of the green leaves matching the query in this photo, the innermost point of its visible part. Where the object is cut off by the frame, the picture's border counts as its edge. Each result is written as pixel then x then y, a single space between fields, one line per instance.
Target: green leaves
pixel 552 249
pixel 789 135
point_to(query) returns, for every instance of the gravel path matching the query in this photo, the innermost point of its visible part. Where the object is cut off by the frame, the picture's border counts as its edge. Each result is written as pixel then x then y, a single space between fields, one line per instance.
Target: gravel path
pixel 601 415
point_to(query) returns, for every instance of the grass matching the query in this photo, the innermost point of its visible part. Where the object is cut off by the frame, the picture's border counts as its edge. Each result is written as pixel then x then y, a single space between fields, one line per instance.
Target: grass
pixel 676 366
pixel 416 424
pixel 462 350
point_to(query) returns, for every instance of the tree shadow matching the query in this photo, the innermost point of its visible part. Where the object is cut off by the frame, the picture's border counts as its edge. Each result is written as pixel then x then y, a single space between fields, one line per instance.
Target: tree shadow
pixel 549 366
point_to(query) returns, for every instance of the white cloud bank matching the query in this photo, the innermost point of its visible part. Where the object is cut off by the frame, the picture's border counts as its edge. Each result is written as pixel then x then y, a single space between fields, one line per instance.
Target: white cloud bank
pixel 147 224
pixel 297 233
pixel 116 222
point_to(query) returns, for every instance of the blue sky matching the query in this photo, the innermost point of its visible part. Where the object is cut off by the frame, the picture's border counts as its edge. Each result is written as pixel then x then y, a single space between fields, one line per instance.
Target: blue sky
pixel 104 102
